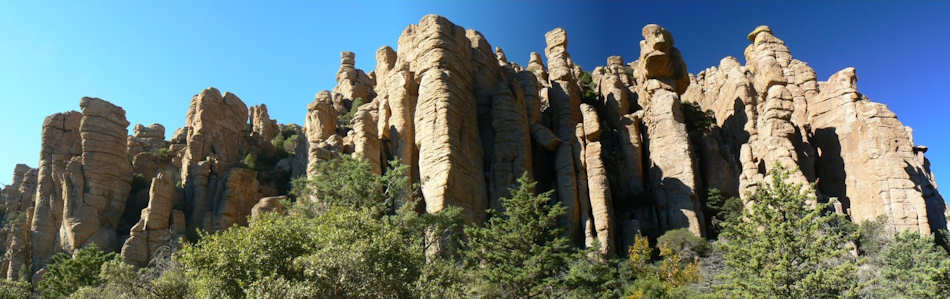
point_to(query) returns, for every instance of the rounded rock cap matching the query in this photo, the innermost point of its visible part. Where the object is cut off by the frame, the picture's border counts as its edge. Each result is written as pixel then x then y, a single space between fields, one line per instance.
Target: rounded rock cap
pixel 760 28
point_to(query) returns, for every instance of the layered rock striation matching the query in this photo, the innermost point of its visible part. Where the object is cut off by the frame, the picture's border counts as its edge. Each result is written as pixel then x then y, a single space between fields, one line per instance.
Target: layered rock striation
pixel 630 148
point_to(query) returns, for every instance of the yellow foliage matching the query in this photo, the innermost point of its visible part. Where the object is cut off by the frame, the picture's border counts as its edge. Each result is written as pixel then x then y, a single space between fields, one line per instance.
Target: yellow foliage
pixel 673 271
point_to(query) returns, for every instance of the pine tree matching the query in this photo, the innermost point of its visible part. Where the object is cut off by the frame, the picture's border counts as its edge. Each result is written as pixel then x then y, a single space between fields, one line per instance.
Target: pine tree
pixel 521 252
pixel 786 245
pixel 910 266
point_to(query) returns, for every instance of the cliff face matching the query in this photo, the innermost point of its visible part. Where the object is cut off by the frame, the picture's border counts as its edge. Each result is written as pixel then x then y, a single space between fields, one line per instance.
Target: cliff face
pixel 617 150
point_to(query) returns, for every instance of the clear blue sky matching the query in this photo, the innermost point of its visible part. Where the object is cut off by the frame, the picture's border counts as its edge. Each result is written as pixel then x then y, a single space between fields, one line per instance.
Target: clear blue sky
pixel 150 57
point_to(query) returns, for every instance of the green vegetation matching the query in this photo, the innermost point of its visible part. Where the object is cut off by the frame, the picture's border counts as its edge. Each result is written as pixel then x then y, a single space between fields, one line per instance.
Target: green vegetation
pixel 720 208
pixel 14 289
pixel 286 141
pixel 588 88
pixel 697 120
pixel 66 274
pixel 785 245
pixel 346 120
pixel 902 265
pixel 520 252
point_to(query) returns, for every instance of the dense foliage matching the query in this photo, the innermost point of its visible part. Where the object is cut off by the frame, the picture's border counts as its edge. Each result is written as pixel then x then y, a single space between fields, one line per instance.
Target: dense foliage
pixel 786 245
pixel 65 274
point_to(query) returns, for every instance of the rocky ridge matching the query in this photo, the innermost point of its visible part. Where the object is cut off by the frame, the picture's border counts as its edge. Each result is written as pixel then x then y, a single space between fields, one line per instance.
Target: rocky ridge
pixel 616 145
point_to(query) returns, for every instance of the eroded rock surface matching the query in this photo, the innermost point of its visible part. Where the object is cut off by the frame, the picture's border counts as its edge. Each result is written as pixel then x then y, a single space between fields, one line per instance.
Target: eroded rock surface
pixel 635 150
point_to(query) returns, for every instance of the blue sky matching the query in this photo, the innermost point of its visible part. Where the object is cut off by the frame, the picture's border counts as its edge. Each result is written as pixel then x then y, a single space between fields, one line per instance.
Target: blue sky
pixel 150 57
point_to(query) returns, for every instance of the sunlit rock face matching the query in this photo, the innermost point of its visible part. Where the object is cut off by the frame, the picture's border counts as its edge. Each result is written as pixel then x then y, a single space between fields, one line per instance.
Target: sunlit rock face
pixel 630 148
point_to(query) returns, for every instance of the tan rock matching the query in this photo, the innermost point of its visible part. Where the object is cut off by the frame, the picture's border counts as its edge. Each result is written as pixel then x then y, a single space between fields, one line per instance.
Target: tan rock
pixel 446 133
pixel 147 234
pixel 215 143
pixel 60 142
pixel 268 204
pixel 365 142
pixel 352 83
pixel 660 60
pixel 564 97
pixel 598 184
pixel 242 191
pixel 261 124
pixel 97 183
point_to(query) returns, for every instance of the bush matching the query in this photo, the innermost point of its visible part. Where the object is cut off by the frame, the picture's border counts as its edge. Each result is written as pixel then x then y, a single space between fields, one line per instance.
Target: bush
pixel 786 245
pixel 355 245
pixel 66 274
pixel 521 251
pixel 902 264
pixel 346 120
pixel 588 87
pixel 720 208
pixel 685 243
pixel 350 182
pixel 14 289
pixel 227 262
pixel 697 120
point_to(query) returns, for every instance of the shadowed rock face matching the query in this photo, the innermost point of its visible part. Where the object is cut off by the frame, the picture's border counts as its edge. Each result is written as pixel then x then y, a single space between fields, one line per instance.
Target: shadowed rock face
pixel 775 111
pixel 625 155
pixel 17 202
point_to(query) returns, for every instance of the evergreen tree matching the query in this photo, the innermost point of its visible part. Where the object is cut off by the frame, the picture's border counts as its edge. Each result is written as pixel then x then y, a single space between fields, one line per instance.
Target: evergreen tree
pixel 65 274
pixel 521 252
pixel 785 245
pixel 910 266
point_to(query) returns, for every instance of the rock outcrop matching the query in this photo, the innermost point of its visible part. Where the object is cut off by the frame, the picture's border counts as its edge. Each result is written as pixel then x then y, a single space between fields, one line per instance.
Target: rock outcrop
pixel 773 111
pixel 16 201
pixel 160 223
pixel 673 176
pixel 60 143
pixel 96 184
pixel 261 124
pixel 630 148
pixel 215 143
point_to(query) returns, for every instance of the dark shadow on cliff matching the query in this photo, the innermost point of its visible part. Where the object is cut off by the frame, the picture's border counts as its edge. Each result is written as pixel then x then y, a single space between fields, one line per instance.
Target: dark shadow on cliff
pixel 829 167
pixel 934 202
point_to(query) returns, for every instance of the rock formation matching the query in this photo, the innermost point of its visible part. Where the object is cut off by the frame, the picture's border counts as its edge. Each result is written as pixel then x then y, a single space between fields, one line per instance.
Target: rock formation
pixel 159 222
pixel 627 149
pixel 96 184
pixel 261 124
pixel 16 201
pixel 774 111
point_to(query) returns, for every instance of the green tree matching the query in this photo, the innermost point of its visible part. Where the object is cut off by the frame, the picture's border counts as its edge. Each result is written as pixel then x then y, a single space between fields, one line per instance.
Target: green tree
pixel 355 244
pixel 590 275
pixel 227 262
pixel 785 245
pixel 668 277
pixel 14 289
pixel 720 207
pixel 684 243
pixel 65 274
pixel 121 280
pixel 909 265
pixel 521 251
pixel 350 182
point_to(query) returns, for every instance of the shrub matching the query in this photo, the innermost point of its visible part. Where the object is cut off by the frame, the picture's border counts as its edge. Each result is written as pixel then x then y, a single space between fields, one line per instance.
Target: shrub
pixel 346 120
pixel 902 264
pixel 684 242
pixel 227 262
pixel 14 289
pixel 697 120
pixel 786 245
pixel 350 182
pixel 720 208
pixel 522 250
pixel 66 274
